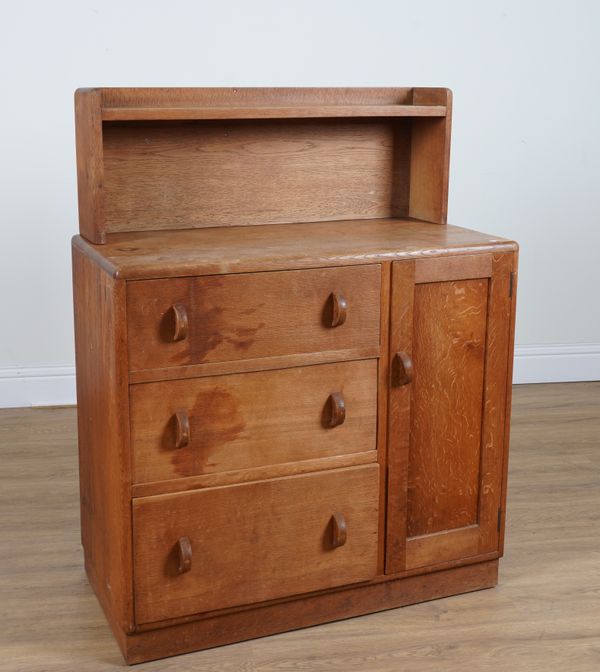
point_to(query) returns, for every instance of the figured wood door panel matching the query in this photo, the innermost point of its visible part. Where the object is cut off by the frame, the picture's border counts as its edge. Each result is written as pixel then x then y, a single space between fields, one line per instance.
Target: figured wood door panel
pixel 446 436
pixel 213 424
pixel 242 544
pixel 449 326
pixel 182 321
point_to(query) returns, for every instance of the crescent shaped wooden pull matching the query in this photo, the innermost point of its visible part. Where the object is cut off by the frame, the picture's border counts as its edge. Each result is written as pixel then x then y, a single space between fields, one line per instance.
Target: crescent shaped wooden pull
pixel 402 369
pixel 339 309
pixel 184 552
pixel 180 321
pixel 182 429
pixel 337 409
pixel 339 531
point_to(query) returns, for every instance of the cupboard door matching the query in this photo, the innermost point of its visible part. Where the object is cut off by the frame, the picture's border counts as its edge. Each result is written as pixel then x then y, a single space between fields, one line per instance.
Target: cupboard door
pixel 450 343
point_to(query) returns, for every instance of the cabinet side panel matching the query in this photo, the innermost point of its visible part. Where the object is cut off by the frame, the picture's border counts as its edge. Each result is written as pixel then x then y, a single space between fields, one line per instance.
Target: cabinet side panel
pixel 498 373
pixel 102 415
pixel 449 356
pixel 514 261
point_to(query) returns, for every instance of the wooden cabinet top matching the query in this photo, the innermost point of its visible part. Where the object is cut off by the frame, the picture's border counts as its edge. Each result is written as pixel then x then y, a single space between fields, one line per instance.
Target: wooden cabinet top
pixel 157 254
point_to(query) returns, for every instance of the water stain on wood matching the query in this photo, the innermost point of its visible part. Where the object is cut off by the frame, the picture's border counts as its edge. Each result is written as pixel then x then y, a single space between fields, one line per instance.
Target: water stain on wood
pixel 215 421
pixel 244 336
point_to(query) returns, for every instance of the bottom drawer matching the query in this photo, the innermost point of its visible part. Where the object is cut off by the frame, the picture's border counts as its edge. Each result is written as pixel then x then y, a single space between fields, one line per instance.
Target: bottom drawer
pixel 221 547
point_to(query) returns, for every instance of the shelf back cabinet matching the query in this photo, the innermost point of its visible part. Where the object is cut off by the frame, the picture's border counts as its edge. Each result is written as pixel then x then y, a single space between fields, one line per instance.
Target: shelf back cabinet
pixel 293 376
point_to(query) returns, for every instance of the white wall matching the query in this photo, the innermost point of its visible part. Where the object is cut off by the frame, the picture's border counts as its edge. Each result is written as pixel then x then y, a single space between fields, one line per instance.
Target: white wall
pixel 526 138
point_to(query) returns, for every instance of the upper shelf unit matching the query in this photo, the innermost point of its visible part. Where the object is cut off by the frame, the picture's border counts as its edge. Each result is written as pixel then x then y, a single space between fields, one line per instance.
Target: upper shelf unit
pixel 184 158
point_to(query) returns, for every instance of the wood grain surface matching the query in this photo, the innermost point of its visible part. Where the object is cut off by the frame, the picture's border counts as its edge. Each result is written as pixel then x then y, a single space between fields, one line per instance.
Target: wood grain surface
pixel 118 97
pixel 195 175
pixel 90 164
pixel 430 159
pixel 103 430
pixel 447 437
pixel 203 157
pixel 161 254
pixel 183 113
pixel 399 416
pixel 245 316
pixel 283 541
pixel 450 320
pixel 253 364
pixel 248 420
pixel 543 615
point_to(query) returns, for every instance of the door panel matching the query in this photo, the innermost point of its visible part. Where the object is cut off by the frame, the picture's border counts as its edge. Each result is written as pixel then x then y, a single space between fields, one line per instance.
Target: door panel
pixel 451 321
pixel 449 327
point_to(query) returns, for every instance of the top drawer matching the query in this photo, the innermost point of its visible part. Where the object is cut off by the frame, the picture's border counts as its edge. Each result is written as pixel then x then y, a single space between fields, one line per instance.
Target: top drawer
pixel 180 321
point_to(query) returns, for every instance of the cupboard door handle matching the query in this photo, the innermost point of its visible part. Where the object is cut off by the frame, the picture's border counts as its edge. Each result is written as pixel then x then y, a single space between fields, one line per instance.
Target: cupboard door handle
pixel 339 309
pixel 180 318
pixel 402 369
pixel 339 530
pixel 182 425
pixel 184 552
pixel 337 409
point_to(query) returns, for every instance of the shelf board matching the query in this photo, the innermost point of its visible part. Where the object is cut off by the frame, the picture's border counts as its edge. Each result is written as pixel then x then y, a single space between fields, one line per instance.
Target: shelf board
pixel 148 113
pixel 241 249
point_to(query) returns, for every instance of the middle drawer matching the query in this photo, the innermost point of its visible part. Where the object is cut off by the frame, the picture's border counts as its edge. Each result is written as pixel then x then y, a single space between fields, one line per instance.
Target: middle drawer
pixel 221 423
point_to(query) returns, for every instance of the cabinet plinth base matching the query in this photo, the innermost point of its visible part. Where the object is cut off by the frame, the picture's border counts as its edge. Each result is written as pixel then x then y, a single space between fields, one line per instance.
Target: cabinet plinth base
pixel 270 619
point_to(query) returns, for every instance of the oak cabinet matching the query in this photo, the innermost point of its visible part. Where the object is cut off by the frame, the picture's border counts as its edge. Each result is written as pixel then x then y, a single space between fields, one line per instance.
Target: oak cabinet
pixel 293 376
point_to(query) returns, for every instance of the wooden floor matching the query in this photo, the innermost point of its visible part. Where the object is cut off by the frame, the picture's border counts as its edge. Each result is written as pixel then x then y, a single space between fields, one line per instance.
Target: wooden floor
pixel 544 615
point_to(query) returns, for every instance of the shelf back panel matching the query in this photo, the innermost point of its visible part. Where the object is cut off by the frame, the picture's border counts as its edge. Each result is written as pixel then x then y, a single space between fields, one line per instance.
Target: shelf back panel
pixel 179 175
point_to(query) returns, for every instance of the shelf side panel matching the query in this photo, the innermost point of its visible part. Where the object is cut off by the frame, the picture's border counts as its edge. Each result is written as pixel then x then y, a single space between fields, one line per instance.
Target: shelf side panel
pixel 430 158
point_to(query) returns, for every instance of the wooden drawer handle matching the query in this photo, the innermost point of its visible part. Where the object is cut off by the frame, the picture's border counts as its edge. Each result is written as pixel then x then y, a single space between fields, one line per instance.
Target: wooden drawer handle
pixel 337 409
pixel 339 309
pixel 182 429
pixel 339 531
pixel 180 319
pixel 184 552
pixel 402 369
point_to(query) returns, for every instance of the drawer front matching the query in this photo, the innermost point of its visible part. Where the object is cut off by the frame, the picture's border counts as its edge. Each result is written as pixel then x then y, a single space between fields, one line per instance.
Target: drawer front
pixel 222 423
pixel 180 321
pixel 212 549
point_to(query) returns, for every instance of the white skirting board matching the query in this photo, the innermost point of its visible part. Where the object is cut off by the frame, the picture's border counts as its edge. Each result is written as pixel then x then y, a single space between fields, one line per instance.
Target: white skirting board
pixel 37 386
pixel 55 385
pixel 556 363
